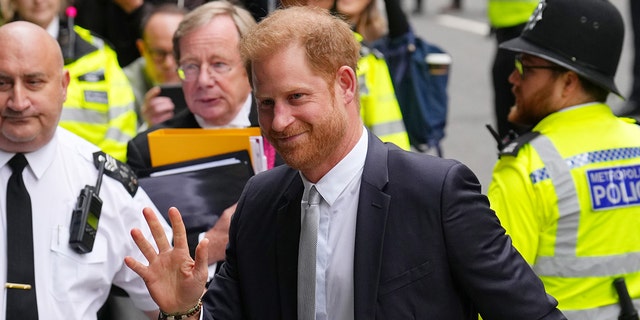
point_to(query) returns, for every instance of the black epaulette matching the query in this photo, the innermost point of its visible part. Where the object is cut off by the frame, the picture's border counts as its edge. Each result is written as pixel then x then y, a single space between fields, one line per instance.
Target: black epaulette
pixel 119 171
pixel 511 148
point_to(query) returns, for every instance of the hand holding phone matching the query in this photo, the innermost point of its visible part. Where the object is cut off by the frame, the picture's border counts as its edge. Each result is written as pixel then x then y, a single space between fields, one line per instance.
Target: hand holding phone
pixel 174 91
pixel 161 103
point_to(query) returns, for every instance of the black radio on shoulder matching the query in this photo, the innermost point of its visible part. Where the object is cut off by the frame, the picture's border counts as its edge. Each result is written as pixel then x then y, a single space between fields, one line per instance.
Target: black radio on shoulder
pixel 84 220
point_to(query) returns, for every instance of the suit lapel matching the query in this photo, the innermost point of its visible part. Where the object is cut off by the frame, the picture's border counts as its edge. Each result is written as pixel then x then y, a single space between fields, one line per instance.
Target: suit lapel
pixel 288 234
pixel 372 213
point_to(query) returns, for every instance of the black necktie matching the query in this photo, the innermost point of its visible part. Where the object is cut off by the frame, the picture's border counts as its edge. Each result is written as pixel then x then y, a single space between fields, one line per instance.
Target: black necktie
pixel 21 301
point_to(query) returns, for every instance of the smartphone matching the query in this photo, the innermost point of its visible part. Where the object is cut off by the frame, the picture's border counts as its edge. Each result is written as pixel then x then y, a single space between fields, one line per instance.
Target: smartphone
pixel 174 91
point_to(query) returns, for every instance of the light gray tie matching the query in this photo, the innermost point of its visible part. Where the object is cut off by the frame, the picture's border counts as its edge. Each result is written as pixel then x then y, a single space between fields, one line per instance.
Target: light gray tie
pixel 307 258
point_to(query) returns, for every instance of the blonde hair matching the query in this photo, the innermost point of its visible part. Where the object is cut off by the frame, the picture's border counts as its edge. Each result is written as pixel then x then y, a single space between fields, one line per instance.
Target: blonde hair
pixel 371 24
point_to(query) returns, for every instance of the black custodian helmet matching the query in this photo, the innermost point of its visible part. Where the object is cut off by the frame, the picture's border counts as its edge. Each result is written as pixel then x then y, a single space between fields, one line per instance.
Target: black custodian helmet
pixel 584 36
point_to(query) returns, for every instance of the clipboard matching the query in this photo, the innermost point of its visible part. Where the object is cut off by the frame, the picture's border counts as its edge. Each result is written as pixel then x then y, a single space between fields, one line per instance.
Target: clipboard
pixel 201 189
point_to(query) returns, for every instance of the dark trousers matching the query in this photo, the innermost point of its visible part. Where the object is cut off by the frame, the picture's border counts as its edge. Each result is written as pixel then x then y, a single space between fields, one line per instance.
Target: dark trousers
pixel 503 65
pixel 119 306
pixel 634 8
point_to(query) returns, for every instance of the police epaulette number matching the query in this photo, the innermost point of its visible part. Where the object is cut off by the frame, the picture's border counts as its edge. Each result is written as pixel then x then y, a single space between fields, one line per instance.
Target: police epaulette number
pixel 512 148
pixel 119 171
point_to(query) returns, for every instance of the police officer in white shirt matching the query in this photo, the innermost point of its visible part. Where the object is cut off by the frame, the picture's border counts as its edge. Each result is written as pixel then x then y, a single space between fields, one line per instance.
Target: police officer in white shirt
pixel 72 281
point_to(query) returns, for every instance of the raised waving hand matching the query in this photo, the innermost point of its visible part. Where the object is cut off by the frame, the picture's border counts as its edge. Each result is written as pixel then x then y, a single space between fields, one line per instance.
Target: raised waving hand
pixel 175 281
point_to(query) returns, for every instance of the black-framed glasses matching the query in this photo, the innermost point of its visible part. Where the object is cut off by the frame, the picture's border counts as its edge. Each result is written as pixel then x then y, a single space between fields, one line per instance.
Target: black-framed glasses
pixel 191 71
pixel 522 67
pixel 156 54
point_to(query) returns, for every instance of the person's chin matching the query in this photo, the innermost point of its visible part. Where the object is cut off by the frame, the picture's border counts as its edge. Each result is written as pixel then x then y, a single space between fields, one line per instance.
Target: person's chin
pixel 514 115
pixel 19 137
pixel 207 109
pixel 215 116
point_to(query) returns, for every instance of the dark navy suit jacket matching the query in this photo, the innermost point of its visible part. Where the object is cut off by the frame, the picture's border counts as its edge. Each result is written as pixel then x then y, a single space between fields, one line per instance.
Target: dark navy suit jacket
pixel 427 246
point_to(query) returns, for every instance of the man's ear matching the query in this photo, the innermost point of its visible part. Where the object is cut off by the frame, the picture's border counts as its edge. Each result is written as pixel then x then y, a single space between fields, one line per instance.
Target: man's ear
pixel 66 78
pixel 140 46
pixel 348 84
pixel 571 83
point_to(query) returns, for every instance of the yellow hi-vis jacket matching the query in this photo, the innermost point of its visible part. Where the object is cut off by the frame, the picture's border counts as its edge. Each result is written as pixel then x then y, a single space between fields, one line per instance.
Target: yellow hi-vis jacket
pixel 570 200
pixel 379 107
pixel 100 101
pixel 509 13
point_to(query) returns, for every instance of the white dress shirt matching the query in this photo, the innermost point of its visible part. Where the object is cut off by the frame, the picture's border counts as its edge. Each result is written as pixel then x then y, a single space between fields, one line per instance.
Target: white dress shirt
pixel 71 285
pixel 340 189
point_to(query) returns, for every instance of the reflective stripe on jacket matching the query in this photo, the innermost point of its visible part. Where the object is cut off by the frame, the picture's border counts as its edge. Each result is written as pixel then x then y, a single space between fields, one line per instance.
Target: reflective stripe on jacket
pixel 100 102
pixel 570 200
pixel 379 107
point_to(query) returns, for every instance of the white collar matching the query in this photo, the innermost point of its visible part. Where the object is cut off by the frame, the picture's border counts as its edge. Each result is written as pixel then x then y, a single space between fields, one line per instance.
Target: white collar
pixel 38 160
pixel 54 27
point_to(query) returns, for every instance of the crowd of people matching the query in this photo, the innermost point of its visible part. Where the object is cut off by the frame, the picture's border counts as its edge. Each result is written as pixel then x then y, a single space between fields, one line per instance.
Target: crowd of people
pixel 350 220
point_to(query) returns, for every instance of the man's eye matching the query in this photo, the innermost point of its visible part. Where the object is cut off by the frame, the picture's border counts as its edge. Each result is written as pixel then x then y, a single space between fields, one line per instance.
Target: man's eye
pixel 265 104
pixel 220 67
pixel 35 83
pixel 5 85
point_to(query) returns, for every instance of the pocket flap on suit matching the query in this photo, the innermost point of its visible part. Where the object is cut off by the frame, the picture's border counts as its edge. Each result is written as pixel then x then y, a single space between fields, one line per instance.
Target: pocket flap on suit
pixel 406 278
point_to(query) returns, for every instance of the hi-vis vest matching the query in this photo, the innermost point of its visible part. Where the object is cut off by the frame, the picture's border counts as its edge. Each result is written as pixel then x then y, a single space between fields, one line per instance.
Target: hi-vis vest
pixel 100 101
pixel 379 107
pixel 509 13
pixel 569 196
pixel 611 187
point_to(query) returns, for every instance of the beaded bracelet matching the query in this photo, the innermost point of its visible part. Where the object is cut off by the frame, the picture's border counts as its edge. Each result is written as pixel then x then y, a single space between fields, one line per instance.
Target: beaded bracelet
pixel 180 316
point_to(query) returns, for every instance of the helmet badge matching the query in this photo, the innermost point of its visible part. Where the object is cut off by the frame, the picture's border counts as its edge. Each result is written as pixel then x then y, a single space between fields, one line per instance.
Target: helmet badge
pixel 536 16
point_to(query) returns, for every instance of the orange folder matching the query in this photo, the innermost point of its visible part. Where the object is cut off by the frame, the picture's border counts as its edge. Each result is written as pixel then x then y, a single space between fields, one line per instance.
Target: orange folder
pixel 168 146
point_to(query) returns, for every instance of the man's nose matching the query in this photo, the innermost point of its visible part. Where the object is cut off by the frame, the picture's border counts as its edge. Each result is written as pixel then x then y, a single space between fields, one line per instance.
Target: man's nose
pixel 282 117
pixel 18 100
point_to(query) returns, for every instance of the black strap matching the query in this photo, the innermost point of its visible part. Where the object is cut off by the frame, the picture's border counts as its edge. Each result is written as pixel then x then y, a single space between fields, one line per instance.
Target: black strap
pixel 513 147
